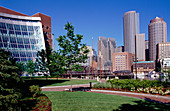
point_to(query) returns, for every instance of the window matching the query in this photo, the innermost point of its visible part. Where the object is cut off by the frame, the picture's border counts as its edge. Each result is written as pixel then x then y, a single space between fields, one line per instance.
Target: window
pixel 17 27
pixel 30 28
pixel 24 27
pixel 26 41
pixel 10 26
pixel 22 54
pixel 2 25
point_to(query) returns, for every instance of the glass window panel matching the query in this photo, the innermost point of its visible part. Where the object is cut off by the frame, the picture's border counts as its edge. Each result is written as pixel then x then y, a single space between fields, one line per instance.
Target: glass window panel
pixel 37 28
pixel 18 33
pixel 29 54
pixel 34 54
pixel 22 54
pixel 24 27
pixel 10 26
pixel 5 44
pixel 18 59
pixel 0 39
pixel 12 40
pixel 20 46
pixel 11 32
pixel 32 47
pixel 1 45
pixel 25 33
pixel 31 34
pixel 19 40
pixel 27 47
pixel 26 41
pixel 32 41
pixel 2 25
pixel 3 32
pixel 5 39
pixel 17 27
pixel 30 28
pixel 15 54
pixel 14 45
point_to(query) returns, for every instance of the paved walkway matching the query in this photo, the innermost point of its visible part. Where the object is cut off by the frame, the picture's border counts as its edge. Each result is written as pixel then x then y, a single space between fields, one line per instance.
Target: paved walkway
pixel 85 87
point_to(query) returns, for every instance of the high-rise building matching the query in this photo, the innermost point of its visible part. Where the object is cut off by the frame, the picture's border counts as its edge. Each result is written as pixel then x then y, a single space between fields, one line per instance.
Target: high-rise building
pixel 106 46
pixel 123 61
pixel 146 50
pixel 130 29
pixel 21 34
pixel 140 47
pixel 157 34
pixel 119 49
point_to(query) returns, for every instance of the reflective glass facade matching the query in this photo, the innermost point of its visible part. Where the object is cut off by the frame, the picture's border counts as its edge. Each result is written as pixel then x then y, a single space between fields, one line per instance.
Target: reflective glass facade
pixel 22 36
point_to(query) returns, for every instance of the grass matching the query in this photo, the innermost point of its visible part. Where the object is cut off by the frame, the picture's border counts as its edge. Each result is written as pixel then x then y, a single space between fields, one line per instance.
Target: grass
pixel 55 82
pixel 87 101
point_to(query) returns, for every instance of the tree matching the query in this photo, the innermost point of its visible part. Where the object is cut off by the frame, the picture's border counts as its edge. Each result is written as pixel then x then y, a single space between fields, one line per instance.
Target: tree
pixel 71 51
pixel 56 64
pixel 20 68
pixel 30 67
pixel 10 83
pixel 42 62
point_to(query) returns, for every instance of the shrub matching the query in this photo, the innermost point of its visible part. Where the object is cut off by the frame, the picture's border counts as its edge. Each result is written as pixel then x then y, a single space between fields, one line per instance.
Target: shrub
pixel 139 89
pixel 146 90
pixel 35 90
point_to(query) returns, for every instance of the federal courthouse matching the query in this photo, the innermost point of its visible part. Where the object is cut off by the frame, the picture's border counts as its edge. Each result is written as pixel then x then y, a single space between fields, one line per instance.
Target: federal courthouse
pixel 24 35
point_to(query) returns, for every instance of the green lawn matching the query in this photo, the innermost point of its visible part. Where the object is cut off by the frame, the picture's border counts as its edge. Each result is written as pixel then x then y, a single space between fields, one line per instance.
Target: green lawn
pixel 55 82
pixel 87 101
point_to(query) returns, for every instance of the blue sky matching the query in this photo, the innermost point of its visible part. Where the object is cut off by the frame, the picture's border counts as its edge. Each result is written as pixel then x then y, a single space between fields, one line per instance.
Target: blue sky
pixel 94 18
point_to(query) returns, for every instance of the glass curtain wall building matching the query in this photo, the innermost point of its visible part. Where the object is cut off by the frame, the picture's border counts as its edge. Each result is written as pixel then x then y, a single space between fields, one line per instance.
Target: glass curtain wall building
pixel 21 35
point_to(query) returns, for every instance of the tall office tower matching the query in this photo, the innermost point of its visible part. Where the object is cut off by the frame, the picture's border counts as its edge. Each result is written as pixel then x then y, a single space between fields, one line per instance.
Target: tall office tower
pixel 21 34
pixel 130 28
pixel 157 34
pixel 147 50
pixel 106 46
pixel 140 47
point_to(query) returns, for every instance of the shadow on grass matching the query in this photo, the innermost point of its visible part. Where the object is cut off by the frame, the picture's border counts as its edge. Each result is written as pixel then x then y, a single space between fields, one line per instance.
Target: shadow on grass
pixel 42 82
pixel 146 105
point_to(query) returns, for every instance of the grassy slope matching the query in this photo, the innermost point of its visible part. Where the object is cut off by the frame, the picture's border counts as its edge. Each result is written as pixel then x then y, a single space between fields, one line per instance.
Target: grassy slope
pixel 86 101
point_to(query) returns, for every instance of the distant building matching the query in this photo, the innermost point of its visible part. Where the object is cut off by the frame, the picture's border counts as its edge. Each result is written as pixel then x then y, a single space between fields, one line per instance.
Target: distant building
pixel 140 47
pixel 130 29
pixel 21 34
pixel 146 50
pixel 119 49
pixel 106 46
pixel 143 67
pixel 91 56
pixel 123 61
pixel 163 55
pixel 157 34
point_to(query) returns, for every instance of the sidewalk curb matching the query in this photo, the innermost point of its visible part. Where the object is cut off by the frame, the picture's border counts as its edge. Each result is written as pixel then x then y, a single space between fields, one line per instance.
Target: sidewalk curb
pixel 120 92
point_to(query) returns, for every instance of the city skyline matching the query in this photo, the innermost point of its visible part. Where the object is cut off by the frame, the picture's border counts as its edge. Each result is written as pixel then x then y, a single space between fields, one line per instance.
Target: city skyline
pixel 94 18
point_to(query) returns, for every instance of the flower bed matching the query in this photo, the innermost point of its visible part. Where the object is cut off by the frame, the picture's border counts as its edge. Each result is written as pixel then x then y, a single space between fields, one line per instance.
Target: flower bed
pixel 43 104
pixel 145 86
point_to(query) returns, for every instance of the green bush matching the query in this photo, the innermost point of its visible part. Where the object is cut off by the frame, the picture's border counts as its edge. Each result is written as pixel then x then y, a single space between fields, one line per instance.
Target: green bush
pixel 35 90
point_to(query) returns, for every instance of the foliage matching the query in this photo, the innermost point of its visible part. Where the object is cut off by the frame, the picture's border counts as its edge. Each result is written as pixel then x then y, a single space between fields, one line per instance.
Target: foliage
pixel 11 89
pixel 56 64
pixel 71 51
pixel 35 90
pixel 30 67
pixel 20 68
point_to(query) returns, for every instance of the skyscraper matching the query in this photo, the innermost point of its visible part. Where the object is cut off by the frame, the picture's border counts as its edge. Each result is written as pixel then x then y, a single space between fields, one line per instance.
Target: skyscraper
pixel 106 46
pixel 157 34
pixel 130 28
pixel 140 47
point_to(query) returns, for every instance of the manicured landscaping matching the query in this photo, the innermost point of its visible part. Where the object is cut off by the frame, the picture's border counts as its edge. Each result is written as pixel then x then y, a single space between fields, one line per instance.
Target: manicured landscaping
pixel 140 86
pixel 57 82
pixel 88 101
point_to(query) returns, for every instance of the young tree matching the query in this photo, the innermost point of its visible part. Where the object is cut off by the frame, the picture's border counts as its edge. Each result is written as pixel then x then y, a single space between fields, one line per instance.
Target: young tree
pixel 30 67
pixel 71 51
pixel 42 62
pixel 20 68
pixel 10 83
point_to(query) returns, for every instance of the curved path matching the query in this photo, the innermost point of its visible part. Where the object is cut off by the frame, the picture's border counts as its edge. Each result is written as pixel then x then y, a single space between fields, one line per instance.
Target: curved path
pixel 85 87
